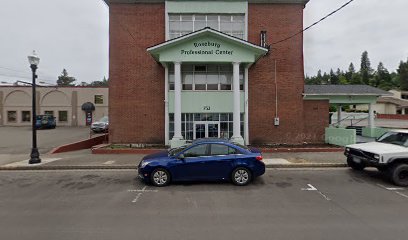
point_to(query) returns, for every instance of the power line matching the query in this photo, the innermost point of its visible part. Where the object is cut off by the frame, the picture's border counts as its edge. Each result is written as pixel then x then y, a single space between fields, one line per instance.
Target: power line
pixel 315 23
pixel 16 76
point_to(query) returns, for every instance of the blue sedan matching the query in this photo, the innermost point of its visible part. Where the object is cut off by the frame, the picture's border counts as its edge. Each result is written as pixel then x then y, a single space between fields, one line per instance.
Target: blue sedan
pixel 207 160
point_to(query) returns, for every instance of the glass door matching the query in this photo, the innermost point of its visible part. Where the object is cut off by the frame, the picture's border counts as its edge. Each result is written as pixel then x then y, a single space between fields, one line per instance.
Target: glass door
pixel 206 130
pixel 213 130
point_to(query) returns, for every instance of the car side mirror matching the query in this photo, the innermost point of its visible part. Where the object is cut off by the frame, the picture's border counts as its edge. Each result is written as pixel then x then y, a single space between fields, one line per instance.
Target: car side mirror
pixel 181 157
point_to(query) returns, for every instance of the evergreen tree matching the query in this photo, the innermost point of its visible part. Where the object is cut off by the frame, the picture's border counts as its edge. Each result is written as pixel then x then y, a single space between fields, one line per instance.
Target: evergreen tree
pixel 334 79
pixel 65 80
pixel 366 71
pixel 382 78
pixel 403 75
pixel 350 72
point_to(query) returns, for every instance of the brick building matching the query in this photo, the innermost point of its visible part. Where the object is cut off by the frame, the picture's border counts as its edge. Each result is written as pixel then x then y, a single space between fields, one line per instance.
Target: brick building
pixel 182 70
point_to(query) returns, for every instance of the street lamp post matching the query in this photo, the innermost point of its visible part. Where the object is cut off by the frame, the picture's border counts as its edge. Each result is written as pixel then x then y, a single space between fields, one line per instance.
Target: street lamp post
pixel 34 60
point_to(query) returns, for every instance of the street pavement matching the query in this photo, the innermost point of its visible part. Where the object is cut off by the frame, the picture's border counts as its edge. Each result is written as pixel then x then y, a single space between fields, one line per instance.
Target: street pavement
pixel 283 204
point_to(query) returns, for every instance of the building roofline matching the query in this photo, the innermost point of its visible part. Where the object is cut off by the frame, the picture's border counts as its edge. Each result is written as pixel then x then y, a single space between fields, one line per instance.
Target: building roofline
pixel 40 86
pixel 204 30
pixel 304 2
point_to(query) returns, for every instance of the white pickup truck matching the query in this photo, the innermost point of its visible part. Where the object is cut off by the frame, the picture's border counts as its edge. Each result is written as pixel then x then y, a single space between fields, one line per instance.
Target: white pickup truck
pixel 389 154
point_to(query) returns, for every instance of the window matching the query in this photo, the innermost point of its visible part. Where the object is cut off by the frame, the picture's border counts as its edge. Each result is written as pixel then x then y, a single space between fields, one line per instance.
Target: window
pixel 98 99
pixel 62 116
pixel 51 113
pixel 209 77
pixel 197 151
pixel 219 149
pixel 182 24
pixel 225 121
pixel 11 116
pixel 26 116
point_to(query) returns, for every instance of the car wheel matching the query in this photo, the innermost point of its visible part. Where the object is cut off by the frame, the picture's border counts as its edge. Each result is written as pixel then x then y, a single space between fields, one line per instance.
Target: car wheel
pixel 355 165
pixel 241 176
pixel 399 175
pixel 160 177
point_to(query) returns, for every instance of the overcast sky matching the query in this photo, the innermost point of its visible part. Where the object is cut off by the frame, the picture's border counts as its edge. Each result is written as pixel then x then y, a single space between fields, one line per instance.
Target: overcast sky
pixel 74 35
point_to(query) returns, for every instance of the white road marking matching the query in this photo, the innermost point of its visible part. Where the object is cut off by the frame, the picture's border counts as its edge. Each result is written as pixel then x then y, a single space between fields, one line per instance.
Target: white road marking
pixel 140 192
pixel 401 194
pixel 25 162
pixel 109 162
pixel 391 188
pixel 137 197
pixel 312 188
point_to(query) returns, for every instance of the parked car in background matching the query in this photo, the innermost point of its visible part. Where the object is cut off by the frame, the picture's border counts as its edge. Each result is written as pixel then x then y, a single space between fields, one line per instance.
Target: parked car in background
pixel 102 125
pixel 389 154
pixel 204 160
pixel 45 122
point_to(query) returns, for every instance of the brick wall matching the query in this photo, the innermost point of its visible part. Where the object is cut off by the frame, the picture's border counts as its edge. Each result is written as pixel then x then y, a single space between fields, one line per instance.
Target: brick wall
pixel 136 90
pixel 280 21
pixel 315 120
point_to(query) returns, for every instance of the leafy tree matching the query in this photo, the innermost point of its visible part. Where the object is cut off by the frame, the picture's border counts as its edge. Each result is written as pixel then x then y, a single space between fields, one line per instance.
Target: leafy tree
pixel 65 80
pixel 403 75
pixel 366 71
pixel 103 83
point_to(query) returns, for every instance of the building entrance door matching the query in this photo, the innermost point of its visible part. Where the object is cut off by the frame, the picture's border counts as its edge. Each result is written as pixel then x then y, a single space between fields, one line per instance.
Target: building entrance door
pixel 206 130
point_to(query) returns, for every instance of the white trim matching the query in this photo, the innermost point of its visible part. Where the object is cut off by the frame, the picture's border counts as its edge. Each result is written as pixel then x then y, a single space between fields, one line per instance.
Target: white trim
pixel 166 106
pixel 202 31
pixel 246 103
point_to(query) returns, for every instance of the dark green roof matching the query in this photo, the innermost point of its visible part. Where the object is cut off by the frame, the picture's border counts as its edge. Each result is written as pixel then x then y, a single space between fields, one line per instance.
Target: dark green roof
pixel 344 90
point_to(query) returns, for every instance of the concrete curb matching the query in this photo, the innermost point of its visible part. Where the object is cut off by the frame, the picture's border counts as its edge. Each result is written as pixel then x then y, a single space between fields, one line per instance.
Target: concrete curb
pixel 134 167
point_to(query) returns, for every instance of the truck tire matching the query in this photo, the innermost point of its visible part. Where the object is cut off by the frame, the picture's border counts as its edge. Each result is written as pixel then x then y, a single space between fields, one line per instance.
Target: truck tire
pixel 355 165
pixel 399 174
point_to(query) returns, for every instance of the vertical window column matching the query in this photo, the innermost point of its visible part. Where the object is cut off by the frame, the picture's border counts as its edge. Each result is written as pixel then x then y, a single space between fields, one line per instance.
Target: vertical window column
pixel 236 137
pixel 177 102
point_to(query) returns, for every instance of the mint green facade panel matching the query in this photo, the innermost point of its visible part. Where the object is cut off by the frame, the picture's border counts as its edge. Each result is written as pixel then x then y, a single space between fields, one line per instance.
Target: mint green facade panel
pixel 374 132
pixel 207 49
pixel 340 136
pixel 205 102
pixel 229 7
pixel 352 99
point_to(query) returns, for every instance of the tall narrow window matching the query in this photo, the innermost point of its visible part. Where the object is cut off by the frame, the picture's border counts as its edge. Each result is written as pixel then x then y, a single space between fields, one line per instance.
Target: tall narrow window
pixel 12 116
pixel 25 116
pixel 62 116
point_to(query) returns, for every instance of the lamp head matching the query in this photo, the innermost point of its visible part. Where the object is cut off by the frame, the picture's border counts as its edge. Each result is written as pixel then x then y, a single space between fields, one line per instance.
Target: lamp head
pixel 33 59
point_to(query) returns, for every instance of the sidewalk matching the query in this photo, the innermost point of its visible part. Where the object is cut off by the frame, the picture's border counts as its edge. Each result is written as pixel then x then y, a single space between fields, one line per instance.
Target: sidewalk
pixel 84 159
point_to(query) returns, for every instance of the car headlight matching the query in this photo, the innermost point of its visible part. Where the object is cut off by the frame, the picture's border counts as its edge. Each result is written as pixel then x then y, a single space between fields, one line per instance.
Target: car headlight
pixel 376 156
pixel 347 149
pixel 144 164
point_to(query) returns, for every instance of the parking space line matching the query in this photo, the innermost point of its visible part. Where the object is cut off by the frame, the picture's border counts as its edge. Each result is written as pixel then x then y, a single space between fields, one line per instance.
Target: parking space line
pixel 140 192
pixel 401 194
pixel 312 188
pixel 137 197
pixel 390 188
pixel 109 162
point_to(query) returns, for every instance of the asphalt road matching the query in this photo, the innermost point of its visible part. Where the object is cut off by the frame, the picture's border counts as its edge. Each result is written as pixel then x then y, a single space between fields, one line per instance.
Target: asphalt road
pixel 283 204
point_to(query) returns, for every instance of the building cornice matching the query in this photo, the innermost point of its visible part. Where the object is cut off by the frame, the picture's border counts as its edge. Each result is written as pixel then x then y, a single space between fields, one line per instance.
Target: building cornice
pixel 249 1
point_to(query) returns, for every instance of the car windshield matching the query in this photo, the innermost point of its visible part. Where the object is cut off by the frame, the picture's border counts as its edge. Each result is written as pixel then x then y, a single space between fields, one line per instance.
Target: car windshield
pixel 104 119
pixel 397 138
pixel 175 151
